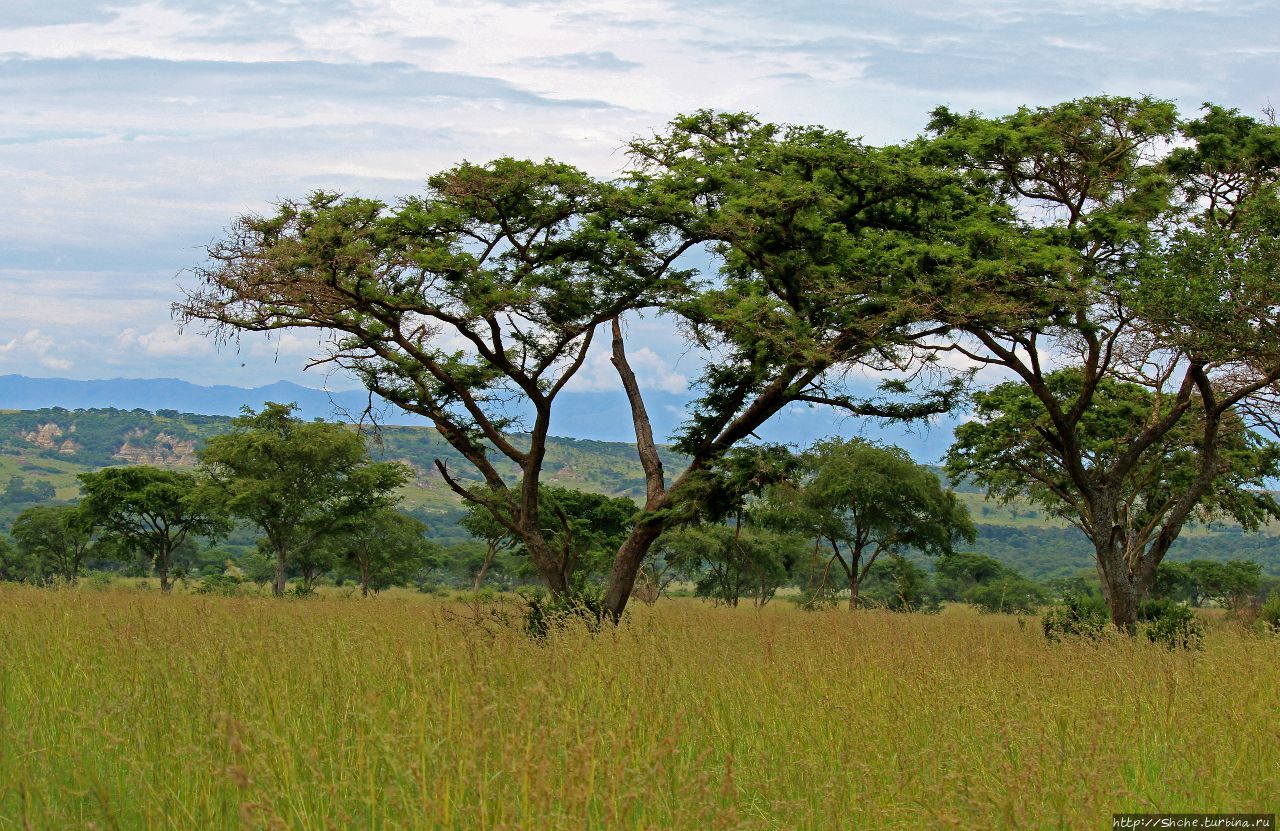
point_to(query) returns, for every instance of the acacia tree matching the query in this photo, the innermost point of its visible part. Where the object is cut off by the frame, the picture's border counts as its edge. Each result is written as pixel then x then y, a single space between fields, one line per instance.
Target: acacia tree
pixel 296 481
pixel 862 500
pixel 478 302
pixel 1143 267
pixel 54 539
pixel 153 511
pixel 381 547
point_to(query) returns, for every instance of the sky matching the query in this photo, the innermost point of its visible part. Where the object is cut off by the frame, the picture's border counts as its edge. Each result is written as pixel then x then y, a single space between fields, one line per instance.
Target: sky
pixel 132 133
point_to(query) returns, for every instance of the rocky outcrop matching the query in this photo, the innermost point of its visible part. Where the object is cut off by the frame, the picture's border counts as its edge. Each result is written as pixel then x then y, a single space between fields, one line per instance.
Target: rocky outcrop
pixel 52 437
pixel 165 449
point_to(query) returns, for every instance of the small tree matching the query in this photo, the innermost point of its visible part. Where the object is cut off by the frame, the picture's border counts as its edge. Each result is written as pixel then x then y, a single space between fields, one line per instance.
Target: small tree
pixel 862 500
pixel 296 481
pixel 732 562
pixel 57 539
pixel 382 548
pixel 899 585
pixel 16 565
pixel 480 523
pixel 151 510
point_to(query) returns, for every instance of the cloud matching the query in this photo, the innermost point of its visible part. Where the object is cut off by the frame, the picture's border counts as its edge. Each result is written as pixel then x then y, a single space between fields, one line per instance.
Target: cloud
pixel 164 341
pixel 243 85
pixel 653 372
pixel 34 346
pixel 581 61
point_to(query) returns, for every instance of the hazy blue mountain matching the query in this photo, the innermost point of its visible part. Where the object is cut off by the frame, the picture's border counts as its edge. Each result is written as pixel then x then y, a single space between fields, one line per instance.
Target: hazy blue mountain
pixel 599 416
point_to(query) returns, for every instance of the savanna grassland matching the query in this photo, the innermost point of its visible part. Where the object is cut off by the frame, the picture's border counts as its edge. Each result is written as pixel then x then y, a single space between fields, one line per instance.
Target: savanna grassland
pixel 127 709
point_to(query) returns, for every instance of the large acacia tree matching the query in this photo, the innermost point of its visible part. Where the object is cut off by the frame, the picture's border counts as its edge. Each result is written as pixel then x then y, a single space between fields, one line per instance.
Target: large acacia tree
pixel 476 303
pixel 1140 331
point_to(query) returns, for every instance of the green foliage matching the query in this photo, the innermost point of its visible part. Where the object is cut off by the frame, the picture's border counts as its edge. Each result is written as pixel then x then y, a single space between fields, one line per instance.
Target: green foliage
pixel 153 511
pixel 218 584
pixel 1077 616
pixel 16 564
pixel 733 562
pixel 858 501
pixel 899 585
pixel 1231 584
pixel 547 612
pixel 986 583
pixel 1269 612
pixel 19 492
pixel 296 481
pixel 381 548
pixel 1173 625
pixel 1008 594
pixel 56 540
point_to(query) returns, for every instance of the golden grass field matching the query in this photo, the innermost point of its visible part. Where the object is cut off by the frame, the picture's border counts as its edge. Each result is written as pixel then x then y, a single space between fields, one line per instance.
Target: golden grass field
pixel 125 709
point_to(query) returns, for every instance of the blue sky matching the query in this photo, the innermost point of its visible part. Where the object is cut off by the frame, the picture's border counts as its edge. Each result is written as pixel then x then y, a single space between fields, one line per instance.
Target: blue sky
pixel 131 133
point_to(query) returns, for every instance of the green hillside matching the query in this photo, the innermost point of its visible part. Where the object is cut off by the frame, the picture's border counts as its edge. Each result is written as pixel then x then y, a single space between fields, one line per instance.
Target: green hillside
pixel 53 445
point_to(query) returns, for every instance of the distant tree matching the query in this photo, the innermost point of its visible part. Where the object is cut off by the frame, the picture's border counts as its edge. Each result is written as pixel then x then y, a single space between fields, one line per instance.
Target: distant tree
pixel 382 548
pixel 152 510
pixel 16 565
pixel 480 523
pixel 1231 584
pixel 732 562
pixel 17 491
pixel 296 481
pixel 57 539
pixel 961 570
pixel 860 500
pixel 1173 582
pixel 1011 593
pixel 899 585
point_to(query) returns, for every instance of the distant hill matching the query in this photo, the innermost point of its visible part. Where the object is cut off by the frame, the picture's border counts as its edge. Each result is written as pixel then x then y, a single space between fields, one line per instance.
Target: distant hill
pixel 52 445
pixel 603 415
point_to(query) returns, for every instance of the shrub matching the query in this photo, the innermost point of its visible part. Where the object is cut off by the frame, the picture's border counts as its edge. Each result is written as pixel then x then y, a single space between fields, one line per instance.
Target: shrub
pixel 1076 617
pixel 1172 624
pixel 545 612
pixel 1011 594
pixel 218 584
pixel 1269 612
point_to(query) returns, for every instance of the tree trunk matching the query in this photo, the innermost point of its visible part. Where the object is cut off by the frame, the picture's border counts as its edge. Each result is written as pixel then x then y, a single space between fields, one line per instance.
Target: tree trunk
pixel 484 567
pixel 854 582
pixel 626 565
pixel 1122 589
pixel 277 587
pixel 364 578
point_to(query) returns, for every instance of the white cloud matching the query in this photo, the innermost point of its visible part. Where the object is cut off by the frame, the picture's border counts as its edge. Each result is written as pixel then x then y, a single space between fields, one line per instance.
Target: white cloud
pixel 34 347
pixel 164 341
pixel 653 372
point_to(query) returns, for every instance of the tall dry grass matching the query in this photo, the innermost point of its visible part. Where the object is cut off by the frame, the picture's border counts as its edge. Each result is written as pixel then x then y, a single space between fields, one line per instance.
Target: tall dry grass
pixel 126 709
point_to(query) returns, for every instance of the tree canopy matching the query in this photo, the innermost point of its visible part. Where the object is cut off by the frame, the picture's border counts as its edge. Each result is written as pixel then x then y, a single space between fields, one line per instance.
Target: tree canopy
pixel 296 481
pixel 1138 319
pixel 154 511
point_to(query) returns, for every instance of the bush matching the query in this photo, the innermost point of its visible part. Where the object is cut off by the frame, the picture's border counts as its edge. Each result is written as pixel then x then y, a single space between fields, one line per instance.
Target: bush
pixel 1011 594
pixel 1269 612
pixel 545 612
pixel 1076 617
pixel 218 584
pixel 1172 624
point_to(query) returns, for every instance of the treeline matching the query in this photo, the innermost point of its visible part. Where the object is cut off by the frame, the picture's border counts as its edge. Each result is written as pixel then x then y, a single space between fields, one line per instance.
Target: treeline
pixel 276 499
